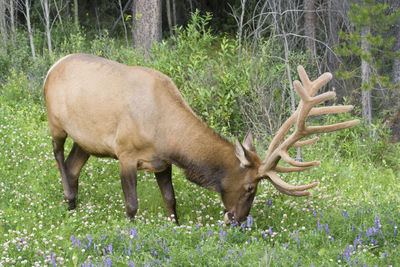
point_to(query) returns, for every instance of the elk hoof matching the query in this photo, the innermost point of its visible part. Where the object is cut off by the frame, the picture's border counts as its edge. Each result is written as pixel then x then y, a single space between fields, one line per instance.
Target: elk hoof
pixel 228 217
pixel 71 204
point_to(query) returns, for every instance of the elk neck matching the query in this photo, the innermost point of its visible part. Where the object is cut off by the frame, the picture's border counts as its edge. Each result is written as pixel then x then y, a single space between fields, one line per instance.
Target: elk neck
pixel 205 156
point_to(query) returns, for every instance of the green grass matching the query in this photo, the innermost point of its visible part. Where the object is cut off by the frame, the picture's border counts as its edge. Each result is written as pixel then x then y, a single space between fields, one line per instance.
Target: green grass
pixel 351 219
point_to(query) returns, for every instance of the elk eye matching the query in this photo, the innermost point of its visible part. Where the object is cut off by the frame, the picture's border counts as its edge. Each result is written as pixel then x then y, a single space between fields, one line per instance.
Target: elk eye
pixel 250 188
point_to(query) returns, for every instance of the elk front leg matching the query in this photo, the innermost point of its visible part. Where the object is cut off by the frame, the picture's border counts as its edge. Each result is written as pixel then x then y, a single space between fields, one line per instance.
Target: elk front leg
pixel 164 181
pixel 129 182
pixel 74 163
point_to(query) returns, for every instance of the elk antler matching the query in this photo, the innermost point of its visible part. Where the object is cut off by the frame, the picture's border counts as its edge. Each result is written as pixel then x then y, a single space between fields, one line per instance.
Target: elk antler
pixel 279 145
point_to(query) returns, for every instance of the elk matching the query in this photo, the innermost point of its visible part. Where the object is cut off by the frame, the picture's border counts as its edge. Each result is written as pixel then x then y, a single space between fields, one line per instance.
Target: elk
pixel 138 116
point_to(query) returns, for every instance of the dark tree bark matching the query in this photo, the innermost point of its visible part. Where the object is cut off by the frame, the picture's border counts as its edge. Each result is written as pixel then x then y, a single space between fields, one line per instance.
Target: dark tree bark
pixel 76 13
pixel 333 41
pixel 395 120
pixel 12 21
pixel 366 76
pixel 147 26
pixel 396 62
pixel 309 26
pixel 3 25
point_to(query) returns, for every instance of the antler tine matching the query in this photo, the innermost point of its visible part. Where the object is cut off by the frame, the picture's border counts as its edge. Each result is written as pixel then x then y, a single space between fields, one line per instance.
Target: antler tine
pixel 278 182
pixel 278 149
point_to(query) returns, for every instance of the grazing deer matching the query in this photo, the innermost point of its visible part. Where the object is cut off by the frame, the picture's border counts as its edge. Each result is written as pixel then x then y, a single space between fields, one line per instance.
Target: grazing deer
pixel 138 116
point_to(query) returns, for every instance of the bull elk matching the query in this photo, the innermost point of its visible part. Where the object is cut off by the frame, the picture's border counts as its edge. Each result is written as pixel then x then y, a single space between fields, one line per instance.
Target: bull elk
pixel 138 116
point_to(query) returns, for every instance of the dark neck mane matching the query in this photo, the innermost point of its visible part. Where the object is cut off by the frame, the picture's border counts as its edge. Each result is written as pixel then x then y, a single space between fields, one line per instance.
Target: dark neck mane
pixel 204 157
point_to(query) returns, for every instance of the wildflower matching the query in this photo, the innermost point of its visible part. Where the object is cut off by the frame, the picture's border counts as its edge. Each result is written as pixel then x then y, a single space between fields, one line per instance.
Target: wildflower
pixel 53 261
pixel 250 221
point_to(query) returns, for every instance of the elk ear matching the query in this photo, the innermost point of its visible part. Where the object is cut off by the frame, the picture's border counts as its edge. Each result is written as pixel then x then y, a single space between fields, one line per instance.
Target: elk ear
pixel 248 142
pixel 242 154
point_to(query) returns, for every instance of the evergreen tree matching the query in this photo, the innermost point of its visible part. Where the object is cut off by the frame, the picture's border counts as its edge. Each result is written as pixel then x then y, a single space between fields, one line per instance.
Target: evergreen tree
pixel 367 53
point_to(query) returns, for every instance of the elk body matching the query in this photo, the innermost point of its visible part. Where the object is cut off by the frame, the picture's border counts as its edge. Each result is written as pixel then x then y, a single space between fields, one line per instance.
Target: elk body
pixel 138 116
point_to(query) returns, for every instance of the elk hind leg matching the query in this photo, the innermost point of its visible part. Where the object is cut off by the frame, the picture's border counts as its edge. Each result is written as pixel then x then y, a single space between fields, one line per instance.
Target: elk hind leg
pixel 58 149
pixel 164 181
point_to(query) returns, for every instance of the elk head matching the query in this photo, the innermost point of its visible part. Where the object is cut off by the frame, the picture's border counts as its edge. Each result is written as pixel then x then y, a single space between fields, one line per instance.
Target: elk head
pixel 238 196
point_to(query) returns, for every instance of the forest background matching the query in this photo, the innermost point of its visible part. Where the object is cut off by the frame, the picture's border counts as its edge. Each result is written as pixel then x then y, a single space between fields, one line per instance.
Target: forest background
pixel 234 62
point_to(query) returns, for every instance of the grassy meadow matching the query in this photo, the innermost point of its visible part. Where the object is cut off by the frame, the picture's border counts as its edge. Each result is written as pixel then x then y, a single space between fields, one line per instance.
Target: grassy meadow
pixel 351 219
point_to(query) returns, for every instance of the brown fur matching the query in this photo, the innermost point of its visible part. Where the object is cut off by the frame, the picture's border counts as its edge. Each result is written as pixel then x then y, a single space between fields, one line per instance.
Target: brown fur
pixel 138 116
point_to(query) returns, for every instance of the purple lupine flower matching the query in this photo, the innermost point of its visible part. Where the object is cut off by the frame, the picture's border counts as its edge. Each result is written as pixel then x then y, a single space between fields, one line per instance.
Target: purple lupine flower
pixel 250 221
pixel 264 235
pixel 378 222
pixel 269 202
pixel 318 225
pixel 133 232
pixel 315 213
pixel 73 240
pixel 198 250
pixel 53 261
pixel 270 230
pixel 131 264
pixel 90 239
pixel 326 228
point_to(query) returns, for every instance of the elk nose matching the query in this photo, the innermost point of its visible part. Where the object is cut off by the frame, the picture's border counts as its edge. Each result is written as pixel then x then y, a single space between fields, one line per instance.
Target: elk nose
pixel 228 217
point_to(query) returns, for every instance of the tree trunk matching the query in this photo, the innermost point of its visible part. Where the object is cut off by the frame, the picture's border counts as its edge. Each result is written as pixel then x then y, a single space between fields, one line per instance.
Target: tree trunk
pixel 28 24
pixel 146 23
pixel 123 22
pixel 12 21
pixel 309 26
pixel 169 16
pixel 365 77
pixel 299 156
pixel 3 25
pixel 76 14
pixel 45 7
pixel 396 61
pixel 395 120
pixel 333 41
